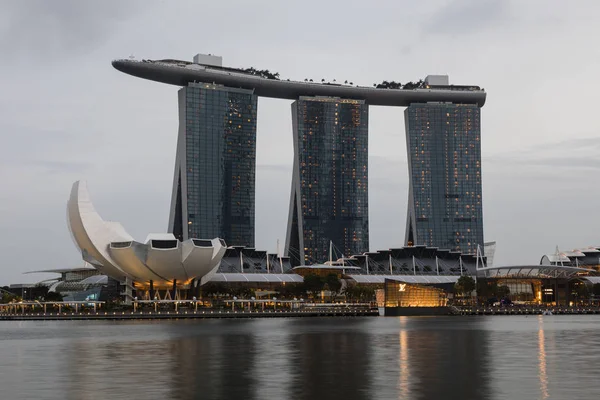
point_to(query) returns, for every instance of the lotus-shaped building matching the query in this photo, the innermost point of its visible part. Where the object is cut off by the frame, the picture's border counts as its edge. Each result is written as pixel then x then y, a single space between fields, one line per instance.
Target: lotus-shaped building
pixel 161 261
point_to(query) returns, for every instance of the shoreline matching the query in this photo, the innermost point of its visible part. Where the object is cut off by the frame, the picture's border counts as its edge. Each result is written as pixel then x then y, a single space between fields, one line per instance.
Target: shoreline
pixel 526 311
pixel 209 314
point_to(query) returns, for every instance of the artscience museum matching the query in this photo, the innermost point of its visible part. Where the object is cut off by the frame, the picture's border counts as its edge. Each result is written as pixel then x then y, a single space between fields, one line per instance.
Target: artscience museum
pixel 161 262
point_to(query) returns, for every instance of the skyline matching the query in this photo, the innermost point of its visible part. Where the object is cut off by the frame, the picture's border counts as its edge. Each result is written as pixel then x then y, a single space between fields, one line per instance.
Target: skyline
pixel 62 126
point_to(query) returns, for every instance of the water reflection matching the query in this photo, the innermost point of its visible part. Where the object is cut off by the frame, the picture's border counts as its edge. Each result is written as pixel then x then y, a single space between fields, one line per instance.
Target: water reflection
pixel 404 358
pixel 332 360
pixel 542 361
pixel 447 360
pixel 404 378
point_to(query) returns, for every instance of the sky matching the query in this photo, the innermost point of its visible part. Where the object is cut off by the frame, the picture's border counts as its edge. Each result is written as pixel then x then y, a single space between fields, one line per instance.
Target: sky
pixel 66 114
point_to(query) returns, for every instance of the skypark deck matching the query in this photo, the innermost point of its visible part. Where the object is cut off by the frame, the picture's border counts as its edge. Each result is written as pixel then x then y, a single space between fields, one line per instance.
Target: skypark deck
pixel 180 73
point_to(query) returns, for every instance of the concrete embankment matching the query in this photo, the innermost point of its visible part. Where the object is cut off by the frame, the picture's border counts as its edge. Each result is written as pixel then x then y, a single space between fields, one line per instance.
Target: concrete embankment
pixel 524 311
pixel 126 315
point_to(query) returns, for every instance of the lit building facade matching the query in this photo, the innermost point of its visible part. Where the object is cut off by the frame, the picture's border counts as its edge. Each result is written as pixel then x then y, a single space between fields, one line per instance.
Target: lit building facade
pixel 214 184
pixel 444 161
pixel 329 196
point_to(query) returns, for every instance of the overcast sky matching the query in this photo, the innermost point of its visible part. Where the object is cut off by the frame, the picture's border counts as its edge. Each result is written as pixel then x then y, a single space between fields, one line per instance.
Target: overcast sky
pixel 66 114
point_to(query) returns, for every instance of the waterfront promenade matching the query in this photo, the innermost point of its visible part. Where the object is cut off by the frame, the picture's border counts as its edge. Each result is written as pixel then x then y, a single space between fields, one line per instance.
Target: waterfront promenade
pixel 189 314
pixel 528 310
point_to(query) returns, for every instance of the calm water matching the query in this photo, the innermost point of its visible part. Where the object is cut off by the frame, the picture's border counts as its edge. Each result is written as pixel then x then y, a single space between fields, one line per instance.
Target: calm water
pixel 552 357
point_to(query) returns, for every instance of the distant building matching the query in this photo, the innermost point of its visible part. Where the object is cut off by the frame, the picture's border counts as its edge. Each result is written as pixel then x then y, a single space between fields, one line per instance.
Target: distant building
pixel 329 199
pixel 586 257
pixel 214 185
pixel 444 160
pixel 238 259
pixel 213 189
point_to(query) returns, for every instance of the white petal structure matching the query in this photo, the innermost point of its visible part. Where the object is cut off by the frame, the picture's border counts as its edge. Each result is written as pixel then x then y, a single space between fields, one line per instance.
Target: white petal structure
pixel 162 259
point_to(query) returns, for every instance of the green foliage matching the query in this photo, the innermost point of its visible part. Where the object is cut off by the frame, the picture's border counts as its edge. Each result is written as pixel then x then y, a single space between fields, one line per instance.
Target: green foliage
pixel 465 285
pixel 53 296
pixel 313 283
pixel 360 293
pixel 265 73
pixel 7 298
pixel 333 282
pixel 398 85
pixel 291 290
pixel 487 288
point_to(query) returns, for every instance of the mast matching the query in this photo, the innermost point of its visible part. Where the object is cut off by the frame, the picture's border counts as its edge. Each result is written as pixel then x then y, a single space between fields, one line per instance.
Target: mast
pixel 414 266
pixel 279 255
pixel 391 272
pixel 460 263
pixel 242 261
pixel 437 265
pixel 367 261
pixel 330 252
pixel 268 266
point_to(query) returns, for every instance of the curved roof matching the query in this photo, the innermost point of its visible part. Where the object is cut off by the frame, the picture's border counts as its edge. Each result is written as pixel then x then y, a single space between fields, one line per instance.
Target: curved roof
pixel 181 73
pixel 325 266
pixel 418 279
pixel 115 253
pixel 592 279
pixel 535 271
pixel 61 270
pixel 252 277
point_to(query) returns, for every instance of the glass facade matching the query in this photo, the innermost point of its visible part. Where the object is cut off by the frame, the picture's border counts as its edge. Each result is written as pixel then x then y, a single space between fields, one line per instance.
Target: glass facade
pixel 214 192
pixel 444 162
pixel 329 199
pixel 400 294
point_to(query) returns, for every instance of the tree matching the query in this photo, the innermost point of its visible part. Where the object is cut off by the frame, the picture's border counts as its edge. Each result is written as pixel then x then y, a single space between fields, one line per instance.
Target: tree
pixel 313 283
pixel 7 298
pixel 487 289
pixel 53 296
pixel 465 285
pixel 333 282
pixel 359 292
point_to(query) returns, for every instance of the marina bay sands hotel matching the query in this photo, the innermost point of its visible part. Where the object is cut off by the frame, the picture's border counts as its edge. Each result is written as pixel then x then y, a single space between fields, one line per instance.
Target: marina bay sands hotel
pixel 214 182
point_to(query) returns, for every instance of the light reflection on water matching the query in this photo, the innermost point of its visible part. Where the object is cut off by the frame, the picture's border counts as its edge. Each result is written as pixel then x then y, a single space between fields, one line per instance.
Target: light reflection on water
pixel 550 357
pixel 542 361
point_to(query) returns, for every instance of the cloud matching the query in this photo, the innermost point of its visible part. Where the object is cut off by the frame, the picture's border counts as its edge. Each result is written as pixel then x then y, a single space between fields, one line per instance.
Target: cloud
pixel 467 16
pixel 47 30
pixel 563 156
pixel 60 167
